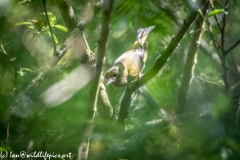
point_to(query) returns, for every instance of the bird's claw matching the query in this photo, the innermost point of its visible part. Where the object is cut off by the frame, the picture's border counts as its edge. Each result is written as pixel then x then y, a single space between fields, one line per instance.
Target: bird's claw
pixel 139 76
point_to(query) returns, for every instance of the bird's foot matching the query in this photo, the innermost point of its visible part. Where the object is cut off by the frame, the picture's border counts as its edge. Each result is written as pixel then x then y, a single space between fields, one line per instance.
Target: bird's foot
pixel 139 76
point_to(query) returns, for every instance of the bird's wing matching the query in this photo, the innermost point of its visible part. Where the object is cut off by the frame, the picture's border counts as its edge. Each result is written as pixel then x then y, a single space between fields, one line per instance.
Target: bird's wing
pixel 133 61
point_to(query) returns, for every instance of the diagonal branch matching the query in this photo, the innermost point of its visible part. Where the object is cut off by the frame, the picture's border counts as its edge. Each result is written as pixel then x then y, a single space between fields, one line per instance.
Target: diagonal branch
pixel 232 47
pixel 159 63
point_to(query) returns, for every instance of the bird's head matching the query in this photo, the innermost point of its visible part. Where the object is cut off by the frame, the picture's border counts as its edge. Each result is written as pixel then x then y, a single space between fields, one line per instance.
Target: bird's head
pixel 115 76
pixel 112 75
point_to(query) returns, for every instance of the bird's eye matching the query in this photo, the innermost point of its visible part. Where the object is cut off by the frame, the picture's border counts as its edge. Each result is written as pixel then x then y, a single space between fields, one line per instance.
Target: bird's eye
pixel 114 75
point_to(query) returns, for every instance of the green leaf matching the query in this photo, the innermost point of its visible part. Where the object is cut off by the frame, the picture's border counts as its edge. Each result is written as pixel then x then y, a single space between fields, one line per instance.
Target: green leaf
pixel 31 27
pixel 22 23
pixel 216 11
pixel 52 18
pixel 27 69
pixel 60 27
pixel 54 37
pixel 200 12
pixel 12 59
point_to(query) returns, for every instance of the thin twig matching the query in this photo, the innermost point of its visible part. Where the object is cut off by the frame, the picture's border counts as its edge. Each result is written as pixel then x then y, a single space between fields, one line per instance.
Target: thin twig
pixel 236 64
pixel 50 28
pixel 89 53
pixel 212 37
pixel 232 47
pixel 34 35
pixel 30 146
pixel 104 106
pixel 223 29
pixel 7 135
pixel 215 17
pixel 224 66
pixel 237 113
pixel 2 48
pixel 221 55
pixel 234 89
pixel 84 146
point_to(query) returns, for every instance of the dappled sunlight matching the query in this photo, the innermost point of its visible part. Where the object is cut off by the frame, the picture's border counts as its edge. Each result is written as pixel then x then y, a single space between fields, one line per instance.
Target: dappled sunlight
pixel 66 88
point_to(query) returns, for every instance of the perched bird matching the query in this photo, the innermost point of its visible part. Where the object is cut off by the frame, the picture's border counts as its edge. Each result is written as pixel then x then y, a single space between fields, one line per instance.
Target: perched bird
pixel 131 63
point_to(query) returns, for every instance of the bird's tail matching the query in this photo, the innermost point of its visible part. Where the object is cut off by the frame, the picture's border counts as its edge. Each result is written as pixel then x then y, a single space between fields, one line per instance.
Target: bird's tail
pixel 142 36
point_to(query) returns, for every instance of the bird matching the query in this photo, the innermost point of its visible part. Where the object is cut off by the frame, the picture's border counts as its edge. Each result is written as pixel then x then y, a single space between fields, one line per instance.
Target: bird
pixel 131 63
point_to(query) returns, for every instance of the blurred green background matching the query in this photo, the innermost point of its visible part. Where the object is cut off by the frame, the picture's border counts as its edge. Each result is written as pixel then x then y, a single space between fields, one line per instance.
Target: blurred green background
pixel 52 117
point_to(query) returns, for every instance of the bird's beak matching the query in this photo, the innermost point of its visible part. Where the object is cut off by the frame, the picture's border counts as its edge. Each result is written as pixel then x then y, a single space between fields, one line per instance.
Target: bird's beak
pixel 109 81
pixel 143 34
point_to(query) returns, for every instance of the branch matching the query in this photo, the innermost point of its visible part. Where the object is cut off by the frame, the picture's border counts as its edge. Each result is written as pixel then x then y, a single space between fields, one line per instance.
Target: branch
pixel 236 64
pixel 67 14
pixel 234 90
pixel 232 47
pixel 190 62
pixel 50 28
pixel 215 17
pixel 107 8
pixel 89 55
pixel 94 92
pixel 159 63
pixel 104 106
pixel 223 29
pixel 222 57
pixel 212 38
pixel 7 135
pixel 237 113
